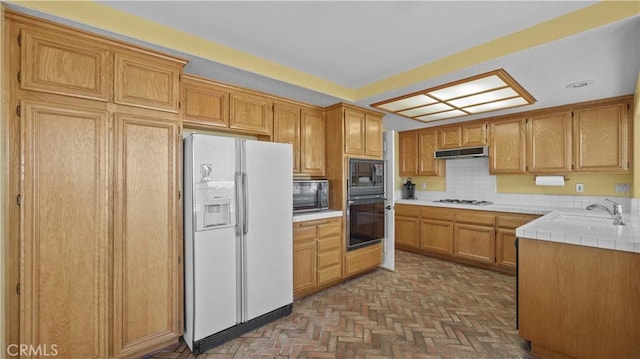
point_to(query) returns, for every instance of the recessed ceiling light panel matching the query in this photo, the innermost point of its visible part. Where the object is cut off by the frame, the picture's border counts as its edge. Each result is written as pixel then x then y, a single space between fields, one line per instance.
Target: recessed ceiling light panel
pixel 491 91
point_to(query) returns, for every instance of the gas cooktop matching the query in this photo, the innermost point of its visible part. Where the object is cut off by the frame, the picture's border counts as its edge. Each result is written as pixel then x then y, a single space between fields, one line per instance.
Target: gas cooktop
pixel 464 201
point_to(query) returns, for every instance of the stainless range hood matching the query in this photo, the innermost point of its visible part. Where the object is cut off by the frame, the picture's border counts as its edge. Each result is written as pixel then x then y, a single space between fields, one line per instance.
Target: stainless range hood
pixel 480 151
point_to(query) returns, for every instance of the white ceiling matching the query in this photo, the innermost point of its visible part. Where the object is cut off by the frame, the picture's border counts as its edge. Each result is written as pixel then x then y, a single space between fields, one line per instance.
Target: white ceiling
pixel 356 43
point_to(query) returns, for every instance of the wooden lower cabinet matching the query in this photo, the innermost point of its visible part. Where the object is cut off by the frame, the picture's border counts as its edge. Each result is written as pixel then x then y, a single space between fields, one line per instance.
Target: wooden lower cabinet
pixel 577 301
pixel 407 227
pixel 363 259
pixel 478 237
pixel 474 242
pixel 317 255
pixel 436 236
pixel 506 236
pixel 436 230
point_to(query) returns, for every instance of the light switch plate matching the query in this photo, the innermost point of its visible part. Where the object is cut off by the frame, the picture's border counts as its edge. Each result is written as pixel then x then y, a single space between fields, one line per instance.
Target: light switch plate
pixel 579 187
pixel 622 188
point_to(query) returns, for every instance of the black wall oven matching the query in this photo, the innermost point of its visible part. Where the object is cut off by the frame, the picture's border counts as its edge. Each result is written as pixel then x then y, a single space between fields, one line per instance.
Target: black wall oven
pixel 365 203
pixel 366 221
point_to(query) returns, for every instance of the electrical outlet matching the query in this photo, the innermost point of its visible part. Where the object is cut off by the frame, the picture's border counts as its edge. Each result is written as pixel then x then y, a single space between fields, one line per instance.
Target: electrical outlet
pixel 579 187
pixel 622 188
pixel 424 185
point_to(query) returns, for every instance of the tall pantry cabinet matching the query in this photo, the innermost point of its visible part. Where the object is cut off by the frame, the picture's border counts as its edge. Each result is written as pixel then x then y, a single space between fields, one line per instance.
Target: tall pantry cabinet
pixel 94 148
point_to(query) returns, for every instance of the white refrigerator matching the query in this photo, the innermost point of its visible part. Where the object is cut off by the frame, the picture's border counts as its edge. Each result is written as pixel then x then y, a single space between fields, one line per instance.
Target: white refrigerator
pixel 238 237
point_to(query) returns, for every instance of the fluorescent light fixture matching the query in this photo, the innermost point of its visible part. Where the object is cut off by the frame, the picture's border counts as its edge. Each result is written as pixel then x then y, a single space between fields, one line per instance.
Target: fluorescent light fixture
pixel 441 115
pixel 409 102
pixel 438 107
pixel 491 91
pixel 498 105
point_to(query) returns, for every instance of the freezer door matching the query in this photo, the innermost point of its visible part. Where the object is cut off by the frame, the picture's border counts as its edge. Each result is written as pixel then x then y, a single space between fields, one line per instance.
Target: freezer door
pixel 215 284
pixel 268 277
pixel 214 166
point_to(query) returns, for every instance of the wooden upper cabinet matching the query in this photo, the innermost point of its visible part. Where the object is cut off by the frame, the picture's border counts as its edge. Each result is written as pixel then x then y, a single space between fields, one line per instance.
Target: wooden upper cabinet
pixel 464 135
pixel 64 233
pixel 146 235
pixel 250 112
pixel 362 133
pixel 602 138
pixel 450 137
pixel 373 136
pixel 507 146
pixel 286 129
pixel 474 134
pixel 408 153
pixel 144 81
pixel 312 151
pixel 205 103
pixel 549 143
pixel 64 64
pixel 354 132
pixel 427 144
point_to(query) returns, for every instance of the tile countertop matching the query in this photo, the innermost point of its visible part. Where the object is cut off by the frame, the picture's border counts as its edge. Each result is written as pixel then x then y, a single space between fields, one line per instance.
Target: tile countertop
pixel 496 207
pixel 311 216
pixel 565 225
pixel 585 228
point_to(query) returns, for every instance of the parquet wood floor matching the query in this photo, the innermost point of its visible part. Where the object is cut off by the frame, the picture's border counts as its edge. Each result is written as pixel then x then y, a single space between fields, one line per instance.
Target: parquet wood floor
pixel 427 308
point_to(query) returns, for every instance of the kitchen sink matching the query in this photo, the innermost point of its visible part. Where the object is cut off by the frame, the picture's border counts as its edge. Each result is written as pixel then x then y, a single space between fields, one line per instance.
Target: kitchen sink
pixel 582 219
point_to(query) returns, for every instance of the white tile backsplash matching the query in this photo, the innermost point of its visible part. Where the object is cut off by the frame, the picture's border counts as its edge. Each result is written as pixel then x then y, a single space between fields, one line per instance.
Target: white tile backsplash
pixel 469 178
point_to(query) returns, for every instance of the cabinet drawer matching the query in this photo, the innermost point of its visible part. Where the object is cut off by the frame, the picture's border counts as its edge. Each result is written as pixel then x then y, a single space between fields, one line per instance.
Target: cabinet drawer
pixel 363 259
pixel 329 274
pixel 330 229
pixel 444 214
pixel 405 210
pixel 303 233
pixel 327 244
pixel 475 217
pixel 329 258
pixel 514 221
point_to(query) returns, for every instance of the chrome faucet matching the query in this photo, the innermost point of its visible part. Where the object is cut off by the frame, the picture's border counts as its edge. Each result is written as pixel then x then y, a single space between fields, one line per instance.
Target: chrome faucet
pixel 616 213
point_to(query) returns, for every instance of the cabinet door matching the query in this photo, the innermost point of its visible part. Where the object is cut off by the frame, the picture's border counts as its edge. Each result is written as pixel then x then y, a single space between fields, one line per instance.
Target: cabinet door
pixel 63 64
pixel 427 144
pixel 64 229
pixel 474 134
pixel 450 137
pixel 304 258
pixel 507 147
pixel 205 104
pixel 602 138
pixel 549 143
pixel 474 242
pixel 408 153
pixel 407 234
pixel 312 143
pixel 354 132
pixel 373 140
pixel 147 82
pixel 286 129
pixel 505 248
pixel 251 113
pixel 436 236
pixel 146 243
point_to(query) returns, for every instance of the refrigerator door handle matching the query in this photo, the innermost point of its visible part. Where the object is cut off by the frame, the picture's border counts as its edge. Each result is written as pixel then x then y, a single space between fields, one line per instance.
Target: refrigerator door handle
pixel 245 196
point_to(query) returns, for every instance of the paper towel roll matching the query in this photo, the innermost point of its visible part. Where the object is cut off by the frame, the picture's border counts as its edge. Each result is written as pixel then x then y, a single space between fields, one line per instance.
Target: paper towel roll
pixel 549 180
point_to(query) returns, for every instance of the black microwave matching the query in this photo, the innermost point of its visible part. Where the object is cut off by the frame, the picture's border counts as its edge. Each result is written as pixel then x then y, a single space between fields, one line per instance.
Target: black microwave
pixel 310 195
pixel 366 177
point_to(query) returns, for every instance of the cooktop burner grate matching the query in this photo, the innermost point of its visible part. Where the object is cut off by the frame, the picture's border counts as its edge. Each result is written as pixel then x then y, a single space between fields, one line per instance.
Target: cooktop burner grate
pixel 464 201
